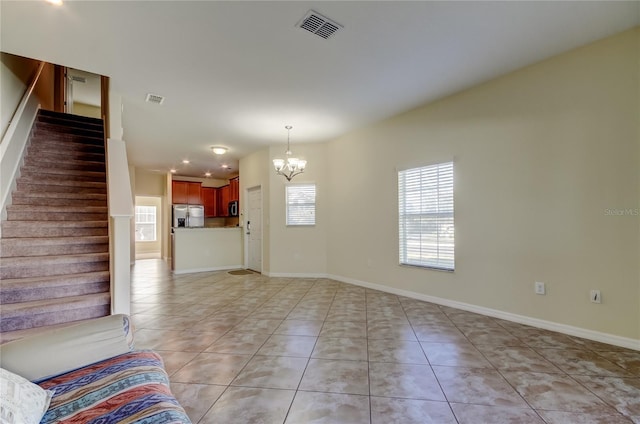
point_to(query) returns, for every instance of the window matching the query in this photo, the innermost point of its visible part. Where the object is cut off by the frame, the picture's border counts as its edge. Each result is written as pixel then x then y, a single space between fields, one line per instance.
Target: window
pixel 145 223
pixel 425 200
pixel 301 204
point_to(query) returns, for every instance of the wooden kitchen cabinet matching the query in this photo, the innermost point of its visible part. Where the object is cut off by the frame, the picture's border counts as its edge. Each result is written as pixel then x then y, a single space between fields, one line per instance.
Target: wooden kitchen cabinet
pixel 186 192
pixel 195 194
pixel 209 199
pixel 234 189
pixel 223 201
pixel 180 192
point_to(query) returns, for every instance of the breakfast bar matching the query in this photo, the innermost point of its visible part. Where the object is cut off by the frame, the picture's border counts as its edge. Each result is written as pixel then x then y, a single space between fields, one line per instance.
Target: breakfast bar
pixel 206 249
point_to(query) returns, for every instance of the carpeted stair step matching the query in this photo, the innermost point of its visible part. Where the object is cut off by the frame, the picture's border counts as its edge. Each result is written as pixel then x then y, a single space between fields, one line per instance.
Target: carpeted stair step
pixel 54 228
pixel 20 316
pixel 56 213
pixel 61 179
pixel 65 164
pixel 44 172
pixel 52 155
pixel 58 128
pixel 73 141
pixel 41 266
pixel 44 198
pixel 34 184
pixel 54 250
pixel 40 246
pixel 71 121
pixel 68 117
pixel 53 287
pixel 73 147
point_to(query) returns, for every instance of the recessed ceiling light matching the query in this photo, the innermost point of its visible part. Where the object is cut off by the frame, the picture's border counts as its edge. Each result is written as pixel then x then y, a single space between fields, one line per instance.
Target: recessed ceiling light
pixel 219 150
pixel 225 166
pixel 185 161
pixel 173 171
pixel 55 2
pixel 207 174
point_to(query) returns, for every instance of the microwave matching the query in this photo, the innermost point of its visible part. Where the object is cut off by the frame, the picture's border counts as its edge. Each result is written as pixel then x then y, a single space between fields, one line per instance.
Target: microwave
pixel 233 208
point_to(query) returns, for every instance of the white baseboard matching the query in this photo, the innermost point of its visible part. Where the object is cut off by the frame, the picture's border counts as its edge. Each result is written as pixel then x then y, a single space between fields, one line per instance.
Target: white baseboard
pixel 598 336
pixel 209 269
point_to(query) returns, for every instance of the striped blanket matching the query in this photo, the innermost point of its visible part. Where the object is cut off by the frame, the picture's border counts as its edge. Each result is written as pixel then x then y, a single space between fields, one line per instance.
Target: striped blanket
pixel 129 388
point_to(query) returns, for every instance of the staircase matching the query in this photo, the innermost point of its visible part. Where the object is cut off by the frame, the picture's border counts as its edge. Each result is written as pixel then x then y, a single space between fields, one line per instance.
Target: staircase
pixel 54 249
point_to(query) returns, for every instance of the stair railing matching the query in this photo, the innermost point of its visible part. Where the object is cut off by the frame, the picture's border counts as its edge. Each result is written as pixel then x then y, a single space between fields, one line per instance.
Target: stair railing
pixel 15 139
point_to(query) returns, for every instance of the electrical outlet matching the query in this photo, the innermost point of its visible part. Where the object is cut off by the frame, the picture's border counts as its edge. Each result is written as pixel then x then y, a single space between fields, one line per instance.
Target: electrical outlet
pixel 539 287
pixel 595 296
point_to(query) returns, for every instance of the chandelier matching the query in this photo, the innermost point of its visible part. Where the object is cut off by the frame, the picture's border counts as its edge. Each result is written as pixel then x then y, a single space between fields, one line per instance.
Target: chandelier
pixel 290 166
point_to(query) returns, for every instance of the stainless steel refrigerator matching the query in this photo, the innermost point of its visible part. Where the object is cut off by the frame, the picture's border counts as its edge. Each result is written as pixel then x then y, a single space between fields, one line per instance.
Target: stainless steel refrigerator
pixel 191 216
pixel 196 216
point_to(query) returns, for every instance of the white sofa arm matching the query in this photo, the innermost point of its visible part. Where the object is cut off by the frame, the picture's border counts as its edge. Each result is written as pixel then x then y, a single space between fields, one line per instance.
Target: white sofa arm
pixel 55 352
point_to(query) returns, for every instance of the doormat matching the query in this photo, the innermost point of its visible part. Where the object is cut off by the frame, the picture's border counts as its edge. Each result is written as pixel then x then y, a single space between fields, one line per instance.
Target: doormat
pixel 242 272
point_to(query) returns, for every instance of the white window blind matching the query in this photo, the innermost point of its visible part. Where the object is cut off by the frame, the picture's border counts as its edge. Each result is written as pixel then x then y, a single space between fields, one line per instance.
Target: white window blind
pixel 145 223
pixel 301 204
pixel 425 200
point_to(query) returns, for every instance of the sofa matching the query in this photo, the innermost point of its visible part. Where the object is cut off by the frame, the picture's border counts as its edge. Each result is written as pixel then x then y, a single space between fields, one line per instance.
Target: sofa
pixel 86 373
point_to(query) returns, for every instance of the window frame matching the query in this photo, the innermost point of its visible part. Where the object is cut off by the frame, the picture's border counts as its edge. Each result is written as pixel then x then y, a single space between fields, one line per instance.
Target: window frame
pixel 154 223
pixel 289 205
pixel 435 209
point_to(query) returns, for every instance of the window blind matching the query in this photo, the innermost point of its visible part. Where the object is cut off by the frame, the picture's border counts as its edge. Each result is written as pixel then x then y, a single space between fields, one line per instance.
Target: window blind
pixel 301 204
pixel 425 200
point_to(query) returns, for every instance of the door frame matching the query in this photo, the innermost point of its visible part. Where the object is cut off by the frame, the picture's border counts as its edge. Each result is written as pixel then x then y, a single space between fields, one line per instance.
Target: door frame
pixel 244 228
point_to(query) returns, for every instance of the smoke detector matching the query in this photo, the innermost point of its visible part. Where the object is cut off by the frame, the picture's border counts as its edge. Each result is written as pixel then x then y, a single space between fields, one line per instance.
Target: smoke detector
pixel 154 98
pixel 319 25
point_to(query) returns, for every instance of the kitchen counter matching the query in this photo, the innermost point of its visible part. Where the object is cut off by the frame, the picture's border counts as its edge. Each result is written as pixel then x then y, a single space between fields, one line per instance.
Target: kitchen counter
pixel 206 249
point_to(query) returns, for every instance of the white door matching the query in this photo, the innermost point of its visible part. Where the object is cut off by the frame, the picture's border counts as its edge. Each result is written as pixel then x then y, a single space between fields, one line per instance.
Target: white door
pixel 254 229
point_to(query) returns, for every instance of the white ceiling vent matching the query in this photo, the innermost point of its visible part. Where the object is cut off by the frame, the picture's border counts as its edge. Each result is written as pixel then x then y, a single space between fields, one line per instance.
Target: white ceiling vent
pixel 319 25
pixel 154 98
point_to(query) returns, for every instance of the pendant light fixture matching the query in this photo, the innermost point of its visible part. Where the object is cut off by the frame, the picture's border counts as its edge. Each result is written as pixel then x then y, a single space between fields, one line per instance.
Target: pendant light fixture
pixel 290 166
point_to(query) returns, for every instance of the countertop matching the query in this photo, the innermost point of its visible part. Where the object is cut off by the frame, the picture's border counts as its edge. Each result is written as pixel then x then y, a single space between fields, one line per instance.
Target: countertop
pixel 204 228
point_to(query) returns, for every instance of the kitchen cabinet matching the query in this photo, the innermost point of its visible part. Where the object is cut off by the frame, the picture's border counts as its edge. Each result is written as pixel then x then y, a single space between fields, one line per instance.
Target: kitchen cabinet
pixel 234 189
pixel 194 194
pixel 186 192
pixel 223 201
pixel 180 192
pixel 209 199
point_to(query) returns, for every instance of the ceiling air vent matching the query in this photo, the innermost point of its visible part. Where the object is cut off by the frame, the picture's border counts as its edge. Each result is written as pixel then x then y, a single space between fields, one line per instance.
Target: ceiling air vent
pixel 319 25
pixel 76 78
pixel 154 98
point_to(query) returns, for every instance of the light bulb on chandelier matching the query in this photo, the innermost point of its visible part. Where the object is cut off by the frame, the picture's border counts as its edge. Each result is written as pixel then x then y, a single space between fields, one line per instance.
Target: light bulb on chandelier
pixel 291 166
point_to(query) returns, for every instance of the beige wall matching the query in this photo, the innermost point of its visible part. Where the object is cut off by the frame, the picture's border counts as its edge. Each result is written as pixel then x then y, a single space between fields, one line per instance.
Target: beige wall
pixel 540 156
pixel 16 73
pixel 149 183
pixel 299 250
pixel 84 109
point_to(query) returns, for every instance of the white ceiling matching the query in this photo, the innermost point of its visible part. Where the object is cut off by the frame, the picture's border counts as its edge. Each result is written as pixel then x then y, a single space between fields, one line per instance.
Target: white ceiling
pixel 235 73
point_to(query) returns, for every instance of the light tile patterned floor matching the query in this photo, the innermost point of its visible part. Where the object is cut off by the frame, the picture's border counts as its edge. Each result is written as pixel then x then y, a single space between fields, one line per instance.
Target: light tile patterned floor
pixel 252 349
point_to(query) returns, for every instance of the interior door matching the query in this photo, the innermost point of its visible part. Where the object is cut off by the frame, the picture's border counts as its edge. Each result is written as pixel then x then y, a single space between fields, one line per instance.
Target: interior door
pixel 254 229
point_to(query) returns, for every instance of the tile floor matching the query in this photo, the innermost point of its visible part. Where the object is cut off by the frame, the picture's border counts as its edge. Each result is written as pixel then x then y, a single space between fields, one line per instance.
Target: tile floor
pixel 252 349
